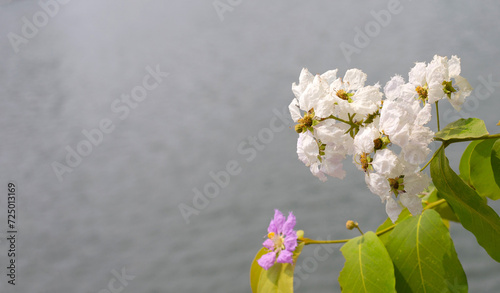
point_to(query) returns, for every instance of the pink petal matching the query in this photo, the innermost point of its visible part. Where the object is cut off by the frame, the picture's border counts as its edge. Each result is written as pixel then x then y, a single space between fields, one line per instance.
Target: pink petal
pixel 267 260
pixel 291 241
pixel 269 244
pixel 285 257
pixel 279 220
pixel 289 224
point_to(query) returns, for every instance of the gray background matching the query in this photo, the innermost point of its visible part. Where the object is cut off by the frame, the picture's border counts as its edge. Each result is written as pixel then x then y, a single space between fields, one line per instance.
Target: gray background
pixel 119 208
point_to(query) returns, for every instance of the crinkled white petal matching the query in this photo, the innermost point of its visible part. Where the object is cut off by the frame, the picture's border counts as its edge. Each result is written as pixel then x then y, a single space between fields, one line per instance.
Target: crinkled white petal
pixel 294 110
pixel 305 79
pixel 401 137
pixel 324 107
pixel 416 182
pixel 327 131
pixel 329 76
pixel 393 87
pixel 366 100
pixel 387 163
pixel 437 70
pixel 424 115
pixel 363 141
pixel 454 66
pixel 333 166
pixel 408 93
pixel 343 145
pixel 421 134
pixel 317 172
pixel 336 85
pixel 415 153
pixel 393 209
pixel 307 148
pixel 355 79
pixel 412 202
pixel 435 92
pixel 313 93
pixel 458 98
pixel 416 76
pixel 378 185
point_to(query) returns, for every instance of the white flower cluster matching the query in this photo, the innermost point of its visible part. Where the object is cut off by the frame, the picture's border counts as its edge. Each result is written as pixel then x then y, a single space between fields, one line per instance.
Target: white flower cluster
pixel 337 117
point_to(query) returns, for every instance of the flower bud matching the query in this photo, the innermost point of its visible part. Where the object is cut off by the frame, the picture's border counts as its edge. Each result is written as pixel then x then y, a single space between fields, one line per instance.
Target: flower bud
pixel 351 225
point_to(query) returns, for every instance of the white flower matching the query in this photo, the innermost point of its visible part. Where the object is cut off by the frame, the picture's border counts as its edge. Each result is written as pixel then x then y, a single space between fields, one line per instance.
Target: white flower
pixel 334 136
pixel 417 74
pixel 351 96
pixel 379 185
pixel 434 81
pixel 387 163
pixel 416 182
pixel 403 123
pixel 307 149
pixel 393 209
pixel 294 110
pixel 396 118
pixel 394 175
pixel 330 163
pixel 333 164
pixel 392 88
pixel 416 150
pixel 305 79
pixel 366 100
pixel 364 140
pixel 312 92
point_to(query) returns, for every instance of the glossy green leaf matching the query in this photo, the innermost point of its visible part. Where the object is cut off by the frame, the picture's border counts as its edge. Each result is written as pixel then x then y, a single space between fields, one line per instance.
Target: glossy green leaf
pixel 464 166
pixel 495 161
pixel 473 212
pixel 462 128
pixel 388 222
pixel 443 209
pixel 368 267
pixel 279 278
pixel 424 256
pixel 481 171
pixel 256 270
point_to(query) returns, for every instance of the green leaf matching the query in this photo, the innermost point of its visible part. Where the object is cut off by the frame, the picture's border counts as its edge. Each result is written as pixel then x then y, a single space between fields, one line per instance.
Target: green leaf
pixel 474 214
pixel 443 209
pixel 388 222
pixel 495 161
pixel 256 270
pixel 462 129
pixel 464 166
pixel 279 278
pixel 368 267
pixel 481 171
pixel 424 256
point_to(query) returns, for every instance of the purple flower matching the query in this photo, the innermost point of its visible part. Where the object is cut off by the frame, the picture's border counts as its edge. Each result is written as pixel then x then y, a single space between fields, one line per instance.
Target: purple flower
pixel 282 241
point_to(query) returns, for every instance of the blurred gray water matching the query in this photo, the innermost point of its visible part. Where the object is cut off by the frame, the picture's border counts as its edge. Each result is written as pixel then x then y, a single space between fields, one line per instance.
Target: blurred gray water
pixel 230 71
